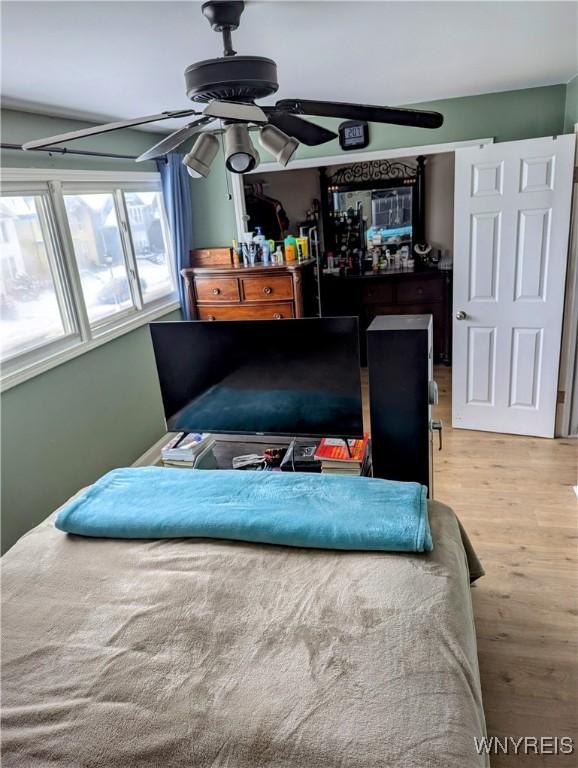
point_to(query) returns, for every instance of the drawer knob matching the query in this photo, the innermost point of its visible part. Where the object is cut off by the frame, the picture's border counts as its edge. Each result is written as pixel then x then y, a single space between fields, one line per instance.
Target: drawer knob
pixel 267 290
pixel 216 291
pixel 211 317
pixel 277 316
pixel 420 291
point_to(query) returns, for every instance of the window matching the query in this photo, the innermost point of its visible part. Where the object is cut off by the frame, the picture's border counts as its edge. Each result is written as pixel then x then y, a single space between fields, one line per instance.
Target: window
pixel 32 313
pixel 83 258
pixel 150 240
pixel 99 255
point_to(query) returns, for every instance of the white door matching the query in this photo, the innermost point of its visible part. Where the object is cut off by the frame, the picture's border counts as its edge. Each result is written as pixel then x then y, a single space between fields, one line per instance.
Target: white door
pixel 511 226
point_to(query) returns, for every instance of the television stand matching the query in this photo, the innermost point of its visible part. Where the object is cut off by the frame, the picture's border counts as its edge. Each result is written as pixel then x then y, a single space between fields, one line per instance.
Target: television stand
pixel 228 446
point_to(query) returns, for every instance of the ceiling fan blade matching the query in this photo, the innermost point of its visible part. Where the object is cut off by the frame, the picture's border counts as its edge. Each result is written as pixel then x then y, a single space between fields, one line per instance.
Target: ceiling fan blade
pixel 173 140
pixel 106 128
pixel 397 116
pixel 232 110
pixel 305 132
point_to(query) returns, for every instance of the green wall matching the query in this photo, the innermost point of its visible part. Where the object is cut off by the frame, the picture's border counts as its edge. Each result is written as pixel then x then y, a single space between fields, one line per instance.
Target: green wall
pixel 571 109
pixel 18 127
pixel 62 429
pixel 505 116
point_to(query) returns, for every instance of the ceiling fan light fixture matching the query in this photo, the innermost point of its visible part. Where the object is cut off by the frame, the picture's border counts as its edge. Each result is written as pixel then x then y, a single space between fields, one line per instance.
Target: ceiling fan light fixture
pixel 240 154
pixel 277 143
pixel 202 154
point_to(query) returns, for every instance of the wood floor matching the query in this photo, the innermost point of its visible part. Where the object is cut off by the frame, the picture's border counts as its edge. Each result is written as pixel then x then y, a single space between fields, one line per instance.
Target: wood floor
pixel 515 498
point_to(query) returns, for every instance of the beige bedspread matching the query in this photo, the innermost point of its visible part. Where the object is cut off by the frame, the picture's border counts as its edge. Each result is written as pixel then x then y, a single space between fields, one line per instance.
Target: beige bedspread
pixel 216 654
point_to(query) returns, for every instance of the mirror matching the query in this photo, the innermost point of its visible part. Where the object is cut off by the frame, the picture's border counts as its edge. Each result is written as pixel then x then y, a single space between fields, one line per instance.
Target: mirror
pixel 373 204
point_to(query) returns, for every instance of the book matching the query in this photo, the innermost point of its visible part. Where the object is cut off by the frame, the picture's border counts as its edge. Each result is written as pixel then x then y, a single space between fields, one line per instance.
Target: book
pixel 333 450
pixel 355 472
pixel 186 447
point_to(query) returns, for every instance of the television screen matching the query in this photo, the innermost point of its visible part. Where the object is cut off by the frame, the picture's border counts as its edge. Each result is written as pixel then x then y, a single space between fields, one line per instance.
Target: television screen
pixel 272 377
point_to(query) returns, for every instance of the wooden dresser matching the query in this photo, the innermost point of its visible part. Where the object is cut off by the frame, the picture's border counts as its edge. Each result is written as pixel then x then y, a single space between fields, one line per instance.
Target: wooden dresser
pixel 251 293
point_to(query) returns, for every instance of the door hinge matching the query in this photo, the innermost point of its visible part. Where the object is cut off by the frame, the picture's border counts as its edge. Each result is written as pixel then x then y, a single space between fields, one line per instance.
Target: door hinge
pixel 576 174
pixel 437 425
pixel 561 398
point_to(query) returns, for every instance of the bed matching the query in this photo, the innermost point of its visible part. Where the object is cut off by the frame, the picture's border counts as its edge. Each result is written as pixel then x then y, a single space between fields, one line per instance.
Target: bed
pixel 219 654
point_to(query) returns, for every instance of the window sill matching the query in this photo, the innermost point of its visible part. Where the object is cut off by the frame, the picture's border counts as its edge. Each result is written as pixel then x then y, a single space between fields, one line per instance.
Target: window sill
pixel 28 371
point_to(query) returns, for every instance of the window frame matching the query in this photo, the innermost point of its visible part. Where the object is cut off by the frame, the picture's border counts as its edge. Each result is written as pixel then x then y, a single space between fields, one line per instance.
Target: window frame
pixel 80 336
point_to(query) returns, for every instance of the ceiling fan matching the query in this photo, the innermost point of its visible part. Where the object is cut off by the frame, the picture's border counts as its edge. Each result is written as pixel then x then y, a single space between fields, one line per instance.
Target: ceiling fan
pixel 230 85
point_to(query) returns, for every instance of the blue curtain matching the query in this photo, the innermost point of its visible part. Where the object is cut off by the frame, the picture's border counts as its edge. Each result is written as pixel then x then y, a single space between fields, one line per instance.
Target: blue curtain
pixel 178 203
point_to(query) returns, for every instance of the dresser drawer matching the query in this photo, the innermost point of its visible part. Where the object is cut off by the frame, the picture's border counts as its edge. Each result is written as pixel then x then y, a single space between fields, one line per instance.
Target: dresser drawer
pixel 217 289
pixel 414 291
pixel 273 288
pixel 280 311
pixel 376 291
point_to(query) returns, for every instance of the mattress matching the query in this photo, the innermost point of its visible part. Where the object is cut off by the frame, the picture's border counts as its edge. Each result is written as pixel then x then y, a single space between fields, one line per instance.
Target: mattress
pixel 205 653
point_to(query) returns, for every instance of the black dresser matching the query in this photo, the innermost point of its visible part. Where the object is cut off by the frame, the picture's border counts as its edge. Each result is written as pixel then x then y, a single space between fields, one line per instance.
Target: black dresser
pixel 396 292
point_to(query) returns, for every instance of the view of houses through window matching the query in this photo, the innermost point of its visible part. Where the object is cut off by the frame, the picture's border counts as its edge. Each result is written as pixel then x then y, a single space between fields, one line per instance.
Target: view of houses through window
pixel 149 239
pixel 120 271
pixel 99 253
pixel 29 303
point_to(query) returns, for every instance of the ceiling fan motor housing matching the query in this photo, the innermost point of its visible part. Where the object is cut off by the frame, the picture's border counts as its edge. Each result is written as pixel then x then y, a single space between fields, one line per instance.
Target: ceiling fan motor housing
pixel 233 78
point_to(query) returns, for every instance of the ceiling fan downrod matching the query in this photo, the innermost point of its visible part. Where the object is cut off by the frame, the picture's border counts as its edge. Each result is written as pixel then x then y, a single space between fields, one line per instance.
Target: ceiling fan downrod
pixel 224 16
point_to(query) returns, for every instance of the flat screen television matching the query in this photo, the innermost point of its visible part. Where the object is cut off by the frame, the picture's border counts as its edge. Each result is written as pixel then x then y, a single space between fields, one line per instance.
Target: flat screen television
pixel 271 377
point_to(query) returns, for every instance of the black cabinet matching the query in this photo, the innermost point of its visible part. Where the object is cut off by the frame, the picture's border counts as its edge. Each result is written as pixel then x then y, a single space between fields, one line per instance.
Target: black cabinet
pixel 399 361
pixel 424 292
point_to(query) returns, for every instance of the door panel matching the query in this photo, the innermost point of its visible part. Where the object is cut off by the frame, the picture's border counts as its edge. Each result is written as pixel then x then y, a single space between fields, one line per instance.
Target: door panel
pixel 526 367
pixel 532 254
pixel 481 365
pixel 512 219
pixel 484 255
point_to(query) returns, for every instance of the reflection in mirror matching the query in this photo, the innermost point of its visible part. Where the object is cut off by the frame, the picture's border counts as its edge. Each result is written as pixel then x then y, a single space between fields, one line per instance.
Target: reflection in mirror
pixel 386 213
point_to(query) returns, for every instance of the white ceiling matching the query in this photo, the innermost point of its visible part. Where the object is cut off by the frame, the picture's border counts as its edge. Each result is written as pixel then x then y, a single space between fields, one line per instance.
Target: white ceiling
pixel 126 59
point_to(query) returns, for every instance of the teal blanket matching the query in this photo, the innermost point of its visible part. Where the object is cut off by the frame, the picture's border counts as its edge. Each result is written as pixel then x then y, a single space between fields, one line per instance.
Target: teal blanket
pixel 291 508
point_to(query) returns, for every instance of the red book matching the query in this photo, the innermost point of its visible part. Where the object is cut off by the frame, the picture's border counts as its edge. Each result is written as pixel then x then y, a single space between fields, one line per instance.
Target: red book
pixel 334 449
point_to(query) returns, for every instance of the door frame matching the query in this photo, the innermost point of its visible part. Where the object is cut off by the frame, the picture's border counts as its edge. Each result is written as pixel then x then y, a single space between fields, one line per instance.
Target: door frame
pixel 567 410
pixel 345 158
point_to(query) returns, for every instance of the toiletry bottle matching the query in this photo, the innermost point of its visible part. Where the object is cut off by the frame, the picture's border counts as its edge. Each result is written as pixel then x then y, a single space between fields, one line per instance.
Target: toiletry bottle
pixel 265 252
pixel 304 241
pixel 278 255
pixel 290 248
pixel 258 240
pixel 299 246
pixel 403 255
pixel 236 254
